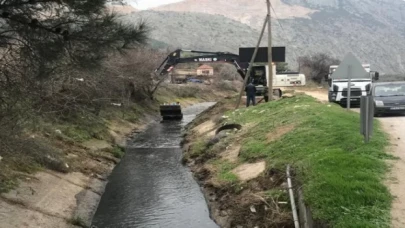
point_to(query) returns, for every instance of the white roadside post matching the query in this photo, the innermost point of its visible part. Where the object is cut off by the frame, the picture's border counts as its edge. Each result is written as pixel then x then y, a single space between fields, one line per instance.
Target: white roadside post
pixel 366 117
pixel 349 86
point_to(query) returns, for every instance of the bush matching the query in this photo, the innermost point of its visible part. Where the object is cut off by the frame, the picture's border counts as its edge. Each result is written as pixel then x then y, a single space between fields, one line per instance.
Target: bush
pixel 226 86
pixel 187 91
pixel 315 67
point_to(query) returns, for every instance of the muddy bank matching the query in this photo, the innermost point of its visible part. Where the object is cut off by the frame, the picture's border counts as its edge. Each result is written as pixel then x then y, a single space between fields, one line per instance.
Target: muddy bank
pixel 54 199
pixel 238 194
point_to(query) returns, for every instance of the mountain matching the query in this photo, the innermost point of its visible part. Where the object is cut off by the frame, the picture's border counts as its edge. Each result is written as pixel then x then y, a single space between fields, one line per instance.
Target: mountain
pixel 373 30
pixel 246 11
pixel 120 8
pixel 196 31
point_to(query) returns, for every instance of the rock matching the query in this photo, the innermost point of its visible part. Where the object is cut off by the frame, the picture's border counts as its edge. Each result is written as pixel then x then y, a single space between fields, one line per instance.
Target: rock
pixel 253 209
pixel 284 185
pixel 246 172
pixel 223 213
pixel 55 164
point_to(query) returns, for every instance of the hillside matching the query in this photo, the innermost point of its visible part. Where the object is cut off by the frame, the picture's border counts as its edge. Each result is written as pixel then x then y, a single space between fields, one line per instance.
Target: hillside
pixel 245 11
pixel 119 8
pixel 372 30
pixel 196 31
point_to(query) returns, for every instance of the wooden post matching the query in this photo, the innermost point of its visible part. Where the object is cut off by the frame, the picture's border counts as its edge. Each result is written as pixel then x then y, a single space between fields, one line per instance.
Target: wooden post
pixel 270 56
pixel 251 63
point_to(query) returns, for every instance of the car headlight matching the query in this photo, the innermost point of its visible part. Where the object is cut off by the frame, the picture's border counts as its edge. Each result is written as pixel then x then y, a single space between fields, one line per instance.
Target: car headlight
pixel 379 103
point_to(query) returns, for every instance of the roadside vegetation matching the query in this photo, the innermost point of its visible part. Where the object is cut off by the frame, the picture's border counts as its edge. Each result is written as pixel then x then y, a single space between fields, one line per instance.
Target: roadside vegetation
pixel 341 177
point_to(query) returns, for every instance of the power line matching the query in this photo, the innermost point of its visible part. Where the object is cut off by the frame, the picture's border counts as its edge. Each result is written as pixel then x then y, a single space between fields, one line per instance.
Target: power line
pixel 282 29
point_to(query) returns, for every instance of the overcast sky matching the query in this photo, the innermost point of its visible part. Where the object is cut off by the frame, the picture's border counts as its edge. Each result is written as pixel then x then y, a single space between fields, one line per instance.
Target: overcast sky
pixel 145 4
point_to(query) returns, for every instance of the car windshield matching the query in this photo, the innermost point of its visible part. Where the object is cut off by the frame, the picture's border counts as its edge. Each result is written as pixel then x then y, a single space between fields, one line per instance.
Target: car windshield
pixel 390 90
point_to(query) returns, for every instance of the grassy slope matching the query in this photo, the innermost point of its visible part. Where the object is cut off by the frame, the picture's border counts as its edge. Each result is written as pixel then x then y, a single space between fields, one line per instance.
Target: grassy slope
pixel 56 138
pixel 341 176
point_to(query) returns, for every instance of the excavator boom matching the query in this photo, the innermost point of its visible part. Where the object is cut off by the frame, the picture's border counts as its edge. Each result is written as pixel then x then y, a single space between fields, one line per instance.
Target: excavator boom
pixel 175 58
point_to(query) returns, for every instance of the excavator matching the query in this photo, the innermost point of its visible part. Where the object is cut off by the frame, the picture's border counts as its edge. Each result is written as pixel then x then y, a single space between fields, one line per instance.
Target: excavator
pixel 174 58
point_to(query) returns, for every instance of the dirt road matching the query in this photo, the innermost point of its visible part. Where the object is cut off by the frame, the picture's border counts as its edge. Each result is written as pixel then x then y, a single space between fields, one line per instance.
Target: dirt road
pixel 395 127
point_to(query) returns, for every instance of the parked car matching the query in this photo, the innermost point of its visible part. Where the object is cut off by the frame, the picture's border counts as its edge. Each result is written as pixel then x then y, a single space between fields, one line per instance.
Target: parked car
pixel 195 80
pixel 389 97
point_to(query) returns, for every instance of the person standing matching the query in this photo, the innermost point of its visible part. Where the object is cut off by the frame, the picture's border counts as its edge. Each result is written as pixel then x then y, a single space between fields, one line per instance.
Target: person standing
pixel 250 94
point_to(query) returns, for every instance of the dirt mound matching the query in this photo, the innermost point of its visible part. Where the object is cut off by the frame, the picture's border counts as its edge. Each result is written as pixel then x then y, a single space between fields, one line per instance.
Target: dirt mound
pixel 247 172
pixel 207 127
pixel 279 132
pixel 250 205
pixel 231 153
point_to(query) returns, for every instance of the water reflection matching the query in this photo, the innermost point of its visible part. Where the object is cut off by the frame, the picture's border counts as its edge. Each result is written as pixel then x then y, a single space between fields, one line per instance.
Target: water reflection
pixel 150 187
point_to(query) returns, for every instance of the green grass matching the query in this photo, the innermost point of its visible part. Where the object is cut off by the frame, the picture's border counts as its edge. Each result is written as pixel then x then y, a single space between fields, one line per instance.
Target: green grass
pixel 198 148
pixel 7 184
pixel 118 152
pixel 342 176
pixel 224 173
pixel 278 195
pixel 78 221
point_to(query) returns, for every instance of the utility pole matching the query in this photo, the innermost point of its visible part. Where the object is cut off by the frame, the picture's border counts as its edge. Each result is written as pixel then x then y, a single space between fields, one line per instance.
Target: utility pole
pixel 270 56
pixel 251 63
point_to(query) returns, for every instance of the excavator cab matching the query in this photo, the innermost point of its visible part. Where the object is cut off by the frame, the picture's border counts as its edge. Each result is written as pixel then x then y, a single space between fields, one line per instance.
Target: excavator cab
pixel 171 111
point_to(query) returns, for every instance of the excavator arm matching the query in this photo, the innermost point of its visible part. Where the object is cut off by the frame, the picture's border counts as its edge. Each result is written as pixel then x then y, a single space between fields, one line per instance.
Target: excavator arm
pixel 175 58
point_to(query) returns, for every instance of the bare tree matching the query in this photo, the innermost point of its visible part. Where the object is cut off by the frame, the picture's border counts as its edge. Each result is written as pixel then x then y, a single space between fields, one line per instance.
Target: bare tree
pixel 137 67
pixel 316 66
pixel 49 50
pixel 228 72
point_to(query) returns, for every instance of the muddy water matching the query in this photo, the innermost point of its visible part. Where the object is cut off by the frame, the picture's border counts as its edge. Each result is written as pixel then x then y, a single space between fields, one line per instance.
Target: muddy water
pixel 150 188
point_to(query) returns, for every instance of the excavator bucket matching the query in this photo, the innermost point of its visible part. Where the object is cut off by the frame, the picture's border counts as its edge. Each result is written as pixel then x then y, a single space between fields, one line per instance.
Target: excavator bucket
pixel 171 112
